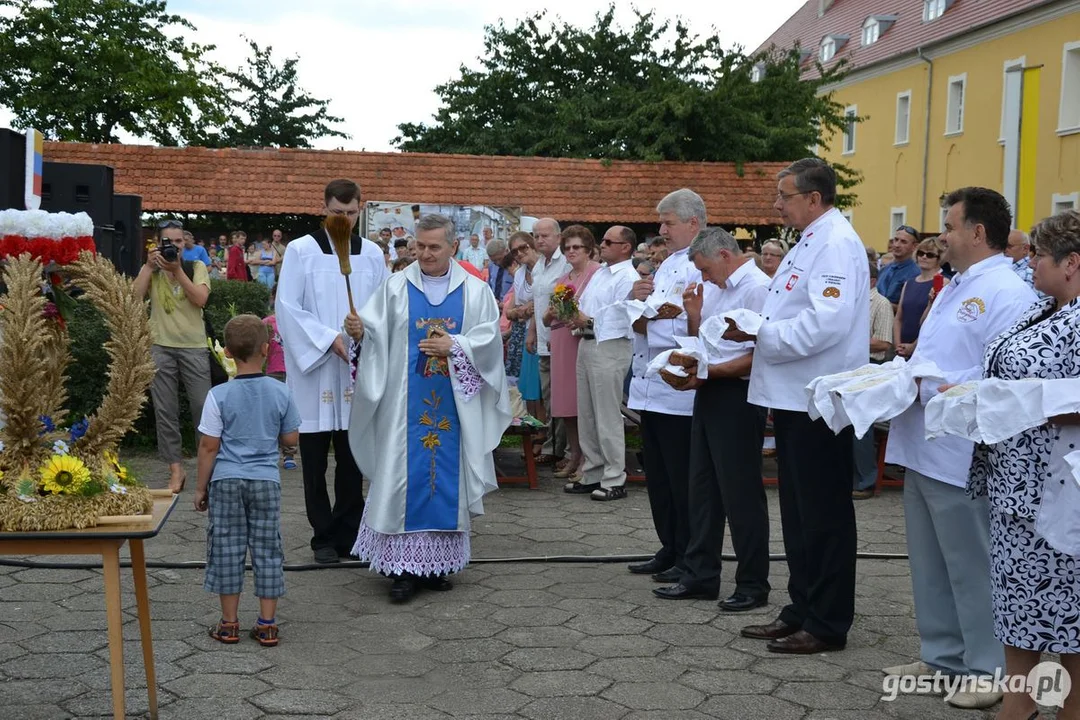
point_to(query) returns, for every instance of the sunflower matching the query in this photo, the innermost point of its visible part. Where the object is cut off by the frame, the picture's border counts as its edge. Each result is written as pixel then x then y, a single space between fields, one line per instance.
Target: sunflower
pixel 64 475
pixel 113 466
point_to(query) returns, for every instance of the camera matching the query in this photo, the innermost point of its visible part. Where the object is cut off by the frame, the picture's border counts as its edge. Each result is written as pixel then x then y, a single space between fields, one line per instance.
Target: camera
pixel 169 253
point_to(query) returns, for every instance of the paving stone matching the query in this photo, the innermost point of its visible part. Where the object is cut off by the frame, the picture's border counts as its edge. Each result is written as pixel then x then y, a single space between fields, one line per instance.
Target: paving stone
pixel 552 534
pixel 587 590
pixel 636 669
pixel 228 706
pixel 292 702
pixel 615 646
pixel 39 592
pixel 653 695
pixel 573 708
pixel 32 692
pixel 534 581
pixel 479 701
pixel 203 685
pixel 745 707
pixel 391 712
pixel 531 659
pixel 541 637
pixel 483 674
pixel 827 695
pixel 475 650
pixel 681 613
pixel 514 617
pixel 99 702
pixel 803 668
pixel 690 635
pixel 560 683
pixel 522 598
pixel 36 712
pixel 245 662
pixel 607 624
pixel 46 665
pixel 666 715
pixel 462 629
pixel 389 690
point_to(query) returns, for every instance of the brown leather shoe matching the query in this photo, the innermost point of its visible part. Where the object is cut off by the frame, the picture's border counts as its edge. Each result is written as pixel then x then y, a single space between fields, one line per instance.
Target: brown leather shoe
pixel 773 631
pixel 800 643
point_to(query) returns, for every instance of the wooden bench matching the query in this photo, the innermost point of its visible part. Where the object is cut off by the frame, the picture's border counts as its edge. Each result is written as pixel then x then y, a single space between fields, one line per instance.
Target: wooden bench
pixel 525 432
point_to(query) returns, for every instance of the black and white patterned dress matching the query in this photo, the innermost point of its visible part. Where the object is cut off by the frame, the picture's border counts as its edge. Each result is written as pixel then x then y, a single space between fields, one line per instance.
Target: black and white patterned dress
pixel 1036 589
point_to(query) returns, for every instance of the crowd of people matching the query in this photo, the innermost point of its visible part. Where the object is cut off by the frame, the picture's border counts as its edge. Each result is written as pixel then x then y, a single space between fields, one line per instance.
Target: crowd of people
pixel 414 389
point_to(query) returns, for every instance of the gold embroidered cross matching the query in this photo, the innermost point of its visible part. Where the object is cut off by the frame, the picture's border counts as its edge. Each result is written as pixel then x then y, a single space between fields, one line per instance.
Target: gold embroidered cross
pixel 327 397
pixel 348 395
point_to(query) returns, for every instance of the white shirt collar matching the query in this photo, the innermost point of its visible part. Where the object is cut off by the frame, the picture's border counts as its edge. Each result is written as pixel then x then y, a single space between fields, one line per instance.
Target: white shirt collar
pixel 825 219
pixel 741 272
pixel 982 267
pixel 619 265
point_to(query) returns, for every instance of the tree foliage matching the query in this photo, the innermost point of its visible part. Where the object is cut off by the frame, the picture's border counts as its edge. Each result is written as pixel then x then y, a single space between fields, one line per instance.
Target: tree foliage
pixel 84 69
pixel 271 110
pixel 653 92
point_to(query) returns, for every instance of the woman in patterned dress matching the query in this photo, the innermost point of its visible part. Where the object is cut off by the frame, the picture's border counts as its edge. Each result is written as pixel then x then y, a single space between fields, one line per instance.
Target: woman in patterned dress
pixel 1036 586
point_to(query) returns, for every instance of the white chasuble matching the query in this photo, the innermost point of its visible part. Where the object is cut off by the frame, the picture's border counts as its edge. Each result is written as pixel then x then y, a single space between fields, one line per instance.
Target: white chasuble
pixel 311 307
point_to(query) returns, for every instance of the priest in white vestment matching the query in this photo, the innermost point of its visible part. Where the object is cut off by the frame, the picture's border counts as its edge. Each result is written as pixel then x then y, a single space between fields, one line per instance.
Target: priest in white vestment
pixel 311 306
pixel 429 408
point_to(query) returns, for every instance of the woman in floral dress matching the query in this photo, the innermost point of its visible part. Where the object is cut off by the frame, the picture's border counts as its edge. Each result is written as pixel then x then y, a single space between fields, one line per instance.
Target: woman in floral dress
pixel 1036 584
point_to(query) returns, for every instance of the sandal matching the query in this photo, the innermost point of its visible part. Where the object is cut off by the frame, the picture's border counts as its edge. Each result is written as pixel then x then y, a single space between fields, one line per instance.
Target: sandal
pixel 226 632
pixel 265 634
pixel 544 459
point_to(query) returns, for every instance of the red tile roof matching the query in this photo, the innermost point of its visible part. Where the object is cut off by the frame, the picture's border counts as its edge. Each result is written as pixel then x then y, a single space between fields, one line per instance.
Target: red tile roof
pixel 270 181
pixel 908 32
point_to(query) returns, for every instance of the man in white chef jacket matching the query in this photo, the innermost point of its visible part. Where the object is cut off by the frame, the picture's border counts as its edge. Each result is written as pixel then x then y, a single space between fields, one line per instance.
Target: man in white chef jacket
pixel 666 413
pixel 814 323
pixel 948 533
pixel 311 307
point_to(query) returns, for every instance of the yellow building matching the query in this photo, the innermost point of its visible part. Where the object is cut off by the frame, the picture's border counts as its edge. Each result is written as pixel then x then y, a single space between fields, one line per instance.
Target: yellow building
pixel 953 93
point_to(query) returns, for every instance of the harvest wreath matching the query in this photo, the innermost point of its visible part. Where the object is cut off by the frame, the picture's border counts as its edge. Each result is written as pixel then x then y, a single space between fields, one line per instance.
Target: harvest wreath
pixel 54 477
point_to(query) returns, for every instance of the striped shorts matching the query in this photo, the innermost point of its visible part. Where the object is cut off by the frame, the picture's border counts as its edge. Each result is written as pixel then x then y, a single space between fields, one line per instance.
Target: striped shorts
pixel 244 515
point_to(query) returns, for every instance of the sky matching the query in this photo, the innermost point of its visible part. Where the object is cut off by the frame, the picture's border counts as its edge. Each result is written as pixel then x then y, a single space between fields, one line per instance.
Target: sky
pixel 379 62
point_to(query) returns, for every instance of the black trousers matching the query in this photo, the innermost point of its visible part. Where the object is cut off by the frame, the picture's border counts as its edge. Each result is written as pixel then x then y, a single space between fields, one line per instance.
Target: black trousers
pixel 666 444
pixel 333 528
pixel 725 482
pixel 815 468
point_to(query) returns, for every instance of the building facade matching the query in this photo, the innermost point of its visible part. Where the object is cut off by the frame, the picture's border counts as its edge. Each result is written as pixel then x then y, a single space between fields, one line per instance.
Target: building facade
pixel 951 93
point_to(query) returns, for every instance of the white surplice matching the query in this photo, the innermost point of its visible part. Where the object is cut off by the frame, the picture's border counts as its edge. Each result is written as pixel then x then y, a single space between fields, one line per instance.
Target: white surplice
pixel 378 430
pixel 311 307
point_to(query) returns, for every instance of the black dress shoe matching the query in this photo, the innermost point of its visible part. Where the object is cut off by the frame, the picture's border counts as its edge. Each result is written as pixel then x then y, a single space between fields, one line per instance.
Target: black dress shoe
pixel 648 568
pixel 437 583
pixel 741 603
pixel 681 592
pixel 773 631
pixel 671 575
pixel 576 488
pixel 801 643
pixel 403 589
pixel 326 556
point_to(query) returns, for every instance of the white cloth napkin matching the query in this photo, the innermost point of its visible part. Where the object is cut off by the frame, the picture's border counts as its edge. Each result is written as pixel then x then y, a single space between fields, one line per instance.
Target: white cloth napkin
pixel 992 410
pixel 746 320
pixel 953 412
pixel 688 346
pixel 821 403
pixel 867 395
pixel 1058 521
pixel 1008 407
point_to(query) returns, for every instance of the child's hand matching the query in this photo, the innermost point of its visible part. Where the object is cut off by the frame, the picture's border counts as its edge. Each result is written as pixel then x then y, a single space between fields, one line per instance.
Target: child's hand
pixel 202 500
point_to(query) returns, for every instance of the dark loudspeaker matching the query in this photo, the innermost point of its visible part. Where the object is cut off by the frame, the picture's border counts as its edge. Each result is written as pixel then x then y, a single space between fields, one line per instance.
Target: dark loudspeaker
pixel 126 250
pixel 67 187
pixel 12 170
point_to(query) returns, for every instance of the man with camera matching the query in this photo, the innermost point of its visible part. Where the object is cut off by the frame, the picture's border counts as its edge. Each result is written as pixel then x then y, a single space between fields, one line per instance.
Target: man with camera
pixel 178 292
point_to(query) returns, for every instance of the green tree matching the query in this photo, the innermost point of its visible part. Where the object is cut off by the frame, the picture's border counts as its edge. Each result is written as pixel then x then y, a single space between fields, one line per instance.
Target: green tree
pixel 653 92
pixel 83 70
pixel 272 110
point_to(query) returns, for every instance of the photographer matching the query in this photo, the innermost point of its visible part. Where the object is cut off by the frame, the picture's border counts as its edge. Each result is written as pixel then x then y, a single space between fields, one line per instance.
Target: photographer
pixel 178 292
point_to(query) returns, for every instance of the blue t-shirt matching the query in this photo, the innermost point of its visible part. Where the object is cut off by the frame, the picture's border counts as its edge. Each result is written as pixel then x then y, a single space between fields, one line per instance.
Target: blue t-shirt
pixel 892 277
pixel 197 253
pixel 249 413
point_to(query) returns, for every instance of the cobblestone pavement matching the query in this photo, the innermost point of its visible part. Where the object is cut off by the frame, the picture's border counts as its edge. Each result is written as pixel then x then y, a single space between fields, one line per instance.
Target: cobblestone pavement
pixel 537 639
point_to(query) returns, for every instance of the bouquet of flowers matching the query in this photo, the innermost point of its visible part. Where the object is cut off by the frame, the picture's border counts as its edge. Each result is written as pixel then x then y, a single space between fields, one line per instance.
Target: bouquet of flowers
pixel 227 363
pixel 564 302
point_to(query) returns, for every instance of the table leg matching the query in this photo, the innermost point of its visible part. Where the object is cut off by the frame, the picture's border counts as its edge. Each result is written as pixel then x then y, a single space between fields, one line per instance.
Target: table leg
pixel 110 556
pixel 530 460
pixel 142 600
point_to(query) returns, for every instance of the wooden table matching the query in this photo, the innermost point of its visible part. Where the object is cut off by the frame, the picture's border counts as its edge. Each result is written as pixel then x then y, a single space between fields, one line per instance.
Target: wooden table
pixel 107 541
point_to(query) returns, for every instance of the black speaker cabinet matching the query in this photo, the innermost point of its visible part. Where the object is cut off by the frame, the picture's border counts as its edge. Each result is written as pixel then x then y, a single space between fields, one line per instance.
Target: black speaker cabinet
pixel 67 187
pixel 12 170
pixel 126 250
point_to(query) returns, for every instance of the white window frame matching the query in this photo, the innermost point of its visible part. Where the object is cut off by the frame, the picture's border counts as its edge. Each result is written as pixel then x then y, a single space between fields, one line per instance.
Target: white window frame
pixel 849 112
pixel 872 27
pixel 893 213
pixel 897 139
pixel 941 219
pixel 757 73
pixel 950 109
pixel 933 9
pixel 849 214
pixel 828 49
pixel 1060 199
pixel 1069 125
pixel 1015 62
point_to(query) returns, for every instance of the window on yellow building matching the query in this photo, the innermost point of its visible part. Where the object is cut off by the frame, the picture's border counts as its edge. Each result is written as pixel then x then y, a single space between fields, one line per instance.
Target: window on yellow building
pixel 871 31
pixel 954 111
pixel 933 9
pixel 850 112
pixel 1063 203
pixel 903 117
pixel 1069 114
pixel 897 217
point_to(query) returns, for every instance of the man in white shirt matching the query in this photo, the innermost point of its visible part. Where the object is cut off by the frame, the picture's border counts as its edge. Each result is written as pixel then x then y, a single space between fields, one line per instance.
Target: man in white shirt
pixel 666 413
pixel 311 307
pixel 602 361
pixel 550 267
pixel 474 253
pixel 727 434
pixel 815 322
pixel 948 533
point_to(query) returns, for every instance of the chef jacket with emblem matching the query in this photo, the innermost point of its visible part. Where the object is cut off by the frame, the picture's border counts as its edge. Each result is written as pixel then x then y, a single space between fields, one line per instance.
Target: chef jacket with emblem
pixel 671 279
pixel 815 321
pixel 974 308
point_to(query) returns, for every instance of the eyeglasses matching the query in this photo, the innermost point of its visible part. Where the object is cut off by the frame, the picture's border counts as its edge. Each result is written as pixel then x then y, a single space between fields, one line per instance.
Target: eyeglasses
pixel 170 224
pixel 923 253
pixel 909 230
pixel 568 248
pixel 607 241
pixel 518 249
pixel 785 197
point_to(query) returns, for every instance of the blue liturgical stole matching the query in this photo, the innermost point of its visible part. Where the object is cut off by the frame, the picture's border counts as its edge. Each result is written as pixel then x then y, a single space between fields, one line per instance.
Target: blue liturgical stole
pixel 434 435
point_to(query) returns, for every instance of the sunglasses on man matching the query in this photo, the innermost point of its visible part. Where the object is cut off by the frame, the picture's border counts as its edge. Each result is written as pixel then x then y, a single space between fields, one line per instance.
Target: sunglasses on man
pixel 909 230
pixel 170 224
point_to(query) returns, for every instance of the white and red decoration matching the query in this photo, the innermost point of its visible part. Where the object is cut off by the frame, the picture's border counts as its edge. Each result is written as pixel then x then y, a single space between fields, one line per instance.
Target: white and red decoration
pixel 49 237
